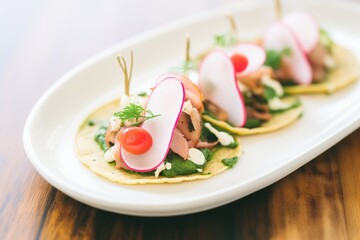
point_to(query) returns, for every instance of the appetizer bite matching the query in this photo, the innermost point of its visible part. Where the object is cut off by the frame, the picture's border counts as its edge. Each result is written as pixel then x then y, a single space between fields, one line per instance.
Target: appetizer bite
pixel 304 57
pixel 155 137
pixel 241 95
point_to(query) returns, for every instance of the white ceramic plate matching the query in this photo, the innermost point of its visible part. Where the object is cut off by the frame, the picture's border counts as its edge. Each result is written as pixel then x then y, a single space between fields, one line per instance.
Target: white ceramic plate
pixel 51 126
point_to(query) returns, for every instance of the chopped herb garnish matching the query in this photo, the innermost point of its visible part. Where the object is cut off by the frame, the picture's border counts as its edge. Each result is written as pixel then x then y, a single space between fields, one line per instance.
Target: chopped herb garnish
pixel 229 38
pixel 325 39
pixel 113 163
pixel 91 123
pixel 226 40
pixel 269 93
pixel 187 66
pixel 273 57
pixel 230 162
pixel 252 123
pixel 134 113
pixel 142 94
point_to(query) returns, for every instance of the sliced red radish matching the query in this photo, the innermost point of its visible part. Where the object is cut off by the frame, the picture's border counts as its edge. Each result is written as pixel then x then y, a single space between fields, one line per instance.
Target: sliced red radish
pixel 254 54
pixel 192 92
pixel 278 37
pixel 166 99
pixel 304 27
pixel 218 83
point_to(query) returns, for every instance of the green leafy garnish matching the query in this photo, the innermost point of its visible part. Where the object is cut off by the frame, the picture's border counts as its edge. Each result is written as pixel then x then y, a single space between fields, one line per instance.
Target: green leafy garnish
pixel 269 93
pixel 247 97
pixel 325 39
pixel 273 57
pixel 187 66
pixel 229 38
pixel 252 123
pixel 142 94
pixel 225 40
pixel 91 123
pixel 230 162
pixel 113 163
pixel 134 113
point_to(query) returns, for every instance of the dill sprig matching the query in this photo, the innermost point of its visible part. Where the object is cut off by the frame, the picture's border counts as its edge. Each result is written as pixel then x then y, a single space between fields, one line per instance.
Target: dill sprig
pixel 134 113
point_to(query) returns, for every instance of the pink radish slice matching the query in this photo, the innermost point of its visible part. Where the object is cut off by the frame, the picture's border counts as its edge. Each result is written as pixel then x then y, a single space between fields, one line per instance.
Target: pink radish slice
pixel 304 27
pixel 254 54
pixel 218 83
pixel 166 99
pixel 279 37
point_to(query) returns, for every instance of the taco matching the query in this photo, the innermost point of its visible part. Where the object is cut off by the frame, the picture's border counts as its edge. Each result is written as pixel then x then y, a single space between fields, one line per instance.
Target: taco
pixel 241 95
pixel 90 145
pixel 304 57
pixel 155 138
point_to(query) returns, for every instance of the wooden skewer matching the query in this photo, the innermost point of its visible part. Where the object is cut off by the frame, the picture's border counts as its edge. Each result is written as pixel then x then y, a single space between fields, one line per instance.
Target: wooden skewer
pixel 278 9
pixel 187 58
pixel 232 22
pixel 127 74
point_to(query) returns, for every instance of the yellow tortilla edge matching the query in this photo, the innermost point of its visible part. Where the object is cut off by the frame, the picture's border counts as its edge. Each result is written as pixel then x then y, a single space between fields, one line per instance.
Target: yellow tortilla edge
pixel 278 121
pixel 346 73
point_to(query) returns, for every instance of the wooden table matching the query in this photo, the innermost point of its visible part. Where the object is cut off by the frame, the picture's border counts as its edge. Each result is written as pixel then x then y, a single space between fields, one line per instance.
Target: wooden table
pixel 41 40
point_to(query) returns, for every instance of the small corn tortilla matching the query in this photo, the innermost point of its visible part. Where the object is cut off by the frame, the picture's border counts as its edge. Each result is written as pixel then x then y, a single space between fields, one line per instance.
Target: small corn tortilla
pixel 279 120
pixel 346 72
pixel 90 154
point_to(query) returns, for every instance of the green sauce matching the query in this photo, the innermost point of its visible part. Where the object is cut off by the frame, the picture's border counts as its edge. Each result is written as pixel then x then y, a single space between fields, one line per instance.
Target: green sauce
pixel 179 166
pixel 100 138
pixel 230 162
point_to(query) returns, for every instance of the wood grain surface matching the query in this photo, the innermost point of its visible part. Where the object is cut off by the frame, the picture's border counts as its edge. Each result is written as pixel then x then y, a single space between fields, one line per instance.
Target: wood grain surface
pixel 41 40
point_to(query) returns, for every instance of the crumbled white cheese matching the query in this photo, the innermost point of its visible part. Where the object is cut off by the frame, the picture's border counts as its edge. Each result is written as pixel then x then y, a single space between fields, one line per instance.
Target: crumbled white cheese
pixel 159 169
pixel 199 170
pixel 268 81
pixel 115 123
pixel 168 166
pixel 196 156
pixel 110 154
pixel 223 137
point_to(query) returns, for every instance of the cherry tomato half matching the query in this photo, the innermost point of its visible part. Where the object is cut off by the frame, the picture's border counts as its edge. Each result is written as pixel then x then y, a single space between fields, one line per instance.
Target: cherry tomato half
pixel 240 62
pixel 135 140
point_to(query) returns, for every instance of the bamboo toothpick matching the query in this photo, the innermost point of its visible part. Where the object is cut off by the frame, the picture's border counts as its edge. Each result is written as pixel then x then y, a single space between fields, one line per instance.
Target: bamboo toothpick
pixel 127 74
pixel 187 58
pixel 232 22
pixel 278 9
